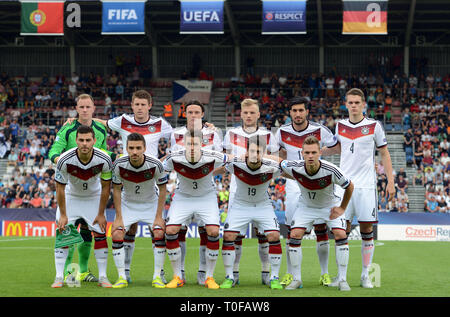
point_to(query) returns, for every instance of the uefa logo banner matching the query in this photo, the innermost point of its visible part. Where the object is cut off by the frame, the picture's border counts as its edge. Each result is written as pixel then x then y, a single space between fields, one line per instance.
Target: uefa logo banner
pixel 201 17
pixel 284 17
pixel 123 17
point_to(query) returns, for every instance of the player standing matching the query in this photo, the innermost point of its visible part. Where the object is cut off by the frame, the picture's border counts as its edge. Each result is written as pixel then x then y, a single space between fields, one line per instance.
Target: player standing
pixel 211 140
pixel 66 140
pixel 195 196
pixel 290 137
pixel 135 199
pixel 358 137
pixel 252 204
pixel 83 177
pixel 235 142
pixel 317 179
pixel 153 129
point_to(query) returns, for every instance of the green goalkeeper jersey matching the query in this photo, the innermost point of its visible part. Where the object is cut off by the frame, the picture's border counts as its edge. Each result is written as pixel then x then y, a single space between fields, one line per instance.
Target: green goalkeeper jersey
pixel 66 139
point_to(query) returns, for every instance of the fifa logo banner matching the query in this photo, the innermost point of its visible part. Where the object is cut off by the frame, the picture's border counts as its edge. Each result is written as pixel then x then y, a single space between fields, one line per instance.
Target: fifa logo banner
pixel 365 17
pixel 284 17
pixel 201 17
pixel 42 18
pixel 123 17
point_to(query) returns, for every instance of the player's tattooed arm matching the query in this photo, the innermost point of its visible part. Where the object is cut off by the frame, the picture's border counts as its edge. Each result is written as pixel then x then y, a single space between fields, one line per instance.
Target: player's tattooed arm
pixel 61 199
pixel 117 198
pixel 387 163
pixel 159 221
pixel 338 211
pixel 106 190
pixel 326 151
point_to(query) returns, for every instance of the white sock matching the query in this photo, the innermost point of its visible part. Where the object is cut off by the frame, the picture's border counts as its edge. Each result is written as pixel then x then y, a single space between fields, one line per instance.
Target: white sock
pixel 237 259
pixel 202 258
pixel 60 260
pixel 183 254
pixel 211 260
pixel 367 250
pixel 342 255
pixel 323 250
pixel 129 250
pixel 119 260
pixel 263 251
pixel 175 260
pixel 159 255
pixel 275 259
pixel 228 257
pixel 101 255
pixel 288 259
pixel 296 262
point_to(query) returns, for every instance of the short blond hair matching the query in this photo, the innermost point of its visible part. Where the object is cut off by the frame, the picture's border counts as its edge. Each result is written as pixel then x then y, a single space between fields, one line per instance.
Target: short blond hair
pixel 356 92
pixel 249 102
pixel 85 96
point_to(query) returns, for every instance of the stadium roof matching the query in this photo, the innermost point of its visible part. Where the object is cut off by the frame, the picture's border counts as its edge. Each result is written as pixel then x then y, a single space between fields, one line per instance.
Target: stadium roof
pixel 425 21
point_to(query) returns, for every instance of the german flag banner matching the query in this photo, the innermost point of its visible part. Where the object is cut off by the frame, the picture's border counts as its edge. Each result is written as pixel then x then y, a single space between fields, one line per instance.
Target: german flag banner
pixel 365 17
pixel 42 17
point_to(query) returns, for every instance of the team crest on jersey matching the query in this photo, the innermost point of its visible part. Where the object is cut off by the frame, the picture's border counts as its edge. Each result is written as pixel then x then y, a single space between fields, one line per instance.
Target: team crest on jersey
pixel 365 130
pixel 152 128
pixel 205 170
pixel 264 177
pixel 66 232
pixel 148 175
pixel 96 170
pixel 322 183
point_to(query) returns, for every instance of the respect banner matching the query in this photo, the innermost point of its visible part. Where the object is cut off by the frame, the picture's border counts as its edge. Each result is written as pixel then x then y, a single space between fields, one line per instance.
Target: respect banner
pixel 284 17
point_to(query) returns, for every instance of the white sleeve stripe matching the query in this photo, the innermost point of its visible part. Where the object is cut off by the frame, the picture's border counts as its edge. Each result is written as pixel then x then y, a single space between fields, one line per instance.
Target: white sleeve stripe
pixel 64 159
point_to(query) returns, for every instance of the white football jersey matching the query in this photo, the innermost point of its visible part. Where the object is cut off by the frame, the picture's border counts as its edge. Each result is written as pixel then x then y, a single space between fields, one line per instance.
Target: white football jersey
pixel 358 142
pixel 252 185
pixel 292 140
pixel 139 182
pixel 152 130
pixel 235 143
pixel 318 190
pixel 211 139
pixel 194 179
pixel 83 180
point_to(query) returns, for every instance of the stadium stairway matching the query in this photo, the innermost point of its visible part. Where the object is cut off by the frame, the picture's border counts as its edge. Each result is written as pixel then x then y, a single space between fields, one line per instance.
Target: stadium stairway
pixel 416 194
pixel 3 171
pixel 217 108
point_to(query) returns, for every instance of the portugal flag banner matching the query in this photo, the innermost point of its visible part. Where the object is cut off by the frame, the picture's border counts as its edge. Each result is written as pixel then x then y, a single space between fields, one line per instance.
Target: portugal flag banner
pixel 365 17
pixel 42 17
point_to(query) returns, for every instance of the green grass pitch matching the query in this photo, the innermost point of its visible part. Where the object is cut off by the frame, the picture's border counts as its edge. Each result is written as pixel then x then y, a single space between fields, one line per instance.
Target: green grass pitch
pixel 407 269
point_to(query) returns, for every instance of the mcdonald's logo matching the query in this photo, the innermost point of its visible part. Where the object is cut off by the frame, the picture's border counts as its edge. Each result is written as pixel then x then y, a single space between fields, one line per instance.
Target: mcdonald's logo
pixel 14 229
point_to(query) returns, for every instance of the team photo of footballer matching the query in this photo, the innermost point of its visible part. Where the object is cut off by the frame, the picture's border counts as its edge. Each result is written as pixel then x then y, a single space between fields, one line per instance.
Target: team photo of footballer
pixel 144 157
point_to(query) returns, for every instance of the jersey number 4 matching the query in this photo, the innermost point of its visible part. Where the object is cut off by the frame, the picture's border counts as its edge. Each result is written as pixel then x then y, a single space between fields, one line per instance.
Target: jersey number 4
pixel 352 147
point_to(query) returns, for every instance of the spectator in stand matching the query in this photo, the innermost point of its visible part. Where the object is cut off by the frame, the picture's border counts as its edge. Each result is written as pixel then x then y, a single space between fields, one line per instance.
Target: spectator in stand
pixel 36 201
pixel 431 204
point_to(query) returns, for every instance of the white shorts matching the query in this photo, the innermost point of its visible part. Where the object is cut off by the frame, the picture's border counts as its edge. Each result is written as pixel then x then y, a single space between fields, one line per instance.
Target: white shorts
pixel 305 217
pixel 133 212
pixel 184 207
pixel 293 198
pixel 293 195
pixel 260 215
pixel 82 207
pixel 363 205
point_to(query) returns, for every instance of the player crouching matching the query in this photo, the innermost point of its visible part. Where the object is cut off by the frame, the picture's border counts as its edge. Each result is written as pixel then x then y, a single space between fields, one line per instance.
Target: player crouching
pixel 252 205
pixel 316 179
pixel 135 199
pixel 194 196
